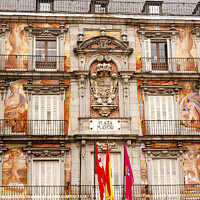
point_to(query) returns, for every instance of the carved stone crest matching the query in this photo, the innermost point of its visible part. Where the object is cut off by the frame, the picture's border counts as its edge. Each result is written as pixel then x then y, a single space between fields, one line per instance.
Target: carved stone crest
pixel 104 89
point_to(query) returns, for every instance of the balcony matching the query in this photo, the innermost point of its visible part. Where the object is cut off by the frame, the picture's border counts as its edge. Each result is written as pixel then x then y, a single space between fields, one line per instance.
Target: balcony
pixel 85 192
pixel 32 63
pixel 10 127
pixel 101 7
pixel 171 127
pixel 173 65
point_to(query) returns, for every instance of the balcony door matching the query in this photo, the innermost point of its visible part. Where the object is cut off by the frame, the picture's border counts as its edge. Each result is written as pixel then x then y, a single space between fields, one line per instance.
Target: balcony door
pixel 46 178
pixel 157 55
pixel 46 54
pixel 161 115
pixel 46 115
pixel 165 179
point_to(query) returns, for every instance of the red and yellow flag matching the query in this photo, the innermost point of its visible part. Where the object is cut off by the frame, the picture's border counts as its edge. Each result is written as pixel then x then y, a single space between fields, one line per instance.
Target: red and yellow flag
pixel 108 177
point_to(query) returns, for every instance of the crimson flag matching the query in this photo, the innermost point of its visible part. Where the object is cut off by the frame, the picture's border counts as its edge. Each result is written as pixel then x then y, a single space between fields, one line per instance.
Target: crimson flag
pixel 99 170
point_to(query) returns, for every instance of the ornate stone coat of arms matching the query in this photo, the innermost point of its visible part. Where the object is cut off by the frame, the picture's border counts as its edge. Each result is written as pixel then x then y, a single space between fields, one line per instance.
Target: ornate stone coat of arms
pixel 104 89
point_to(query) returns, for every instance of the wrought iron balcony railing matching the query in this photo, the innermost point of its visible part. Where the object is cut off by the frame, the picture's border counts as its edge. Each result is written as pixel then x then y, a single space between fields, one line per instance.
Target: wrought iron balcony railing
pixel 171 127
pixel 12 127
pixel 119 7
pixel 173 65
pixel 32 63
pixel 85 192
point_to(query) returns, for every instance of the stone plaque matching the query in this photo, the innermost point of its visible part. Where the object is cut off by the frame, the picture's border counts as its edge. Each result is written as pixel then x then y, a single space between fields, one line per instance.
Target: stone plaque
pixel 105 125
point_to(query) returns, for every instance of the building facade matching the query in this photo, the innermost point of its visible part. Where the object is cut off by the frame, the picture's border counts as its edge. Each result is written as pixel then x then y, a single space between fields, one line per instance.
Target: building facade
pixel 114 71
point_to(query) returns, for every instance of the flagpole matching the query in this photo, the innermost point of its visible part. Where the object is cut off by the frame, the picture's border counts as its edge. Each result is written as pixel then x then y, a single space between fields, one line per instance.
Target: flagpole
pixel 94 171
pixel 124 174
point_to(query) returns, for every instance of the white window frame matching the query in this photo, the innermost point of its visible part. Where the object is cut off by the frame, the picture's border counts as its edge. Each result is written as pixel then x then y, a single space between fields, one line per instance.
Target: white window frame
pixel 58 62
pixel 164 153
pixel 147 54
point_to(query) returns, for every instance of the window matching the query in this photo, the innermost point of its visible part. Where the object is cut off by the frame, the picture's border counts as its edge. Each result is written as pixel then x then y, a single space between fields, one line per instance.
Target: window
pixel 46 173
pixel 165 172
pixel 46 115
pixel 161 115
pixel 99 6
pixel 152 7
pixel 161 108
pixel 115 167
pixel 157 54
pixel 44 5
pixel 46 54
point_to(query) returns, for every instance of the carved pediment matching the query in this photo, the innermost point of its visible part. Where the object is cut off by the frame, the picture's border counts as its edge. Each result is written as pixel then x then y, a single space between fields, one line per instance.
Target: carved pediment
pixel 157 34
pixel 103 43
pixel 46 31
pixel 45 89
pixel 160 89
pixel 166 153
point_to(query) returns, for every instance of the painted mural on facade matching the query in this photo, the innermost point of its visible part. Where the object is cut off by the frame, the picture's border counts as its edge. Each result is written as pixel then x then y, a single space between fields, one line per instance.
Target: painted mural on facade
pixel 192 164
pixel 186 50
pixel 143 166
pixel 190 108
pixel 15 108
pixel 16 47
pixel 14 170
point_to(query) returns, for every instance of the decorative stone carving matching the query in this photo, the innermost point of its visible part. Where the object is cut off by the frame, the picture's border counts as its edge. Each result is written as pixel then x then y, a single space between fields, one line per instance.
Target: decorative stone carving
pixel 3 90
pixel 46 31
pixel 103 145
pixel 37 152
pixel 100 44
pixel 45 89
pixel 4 30
pixel 103 85
pixel 166 153
pixel 157 34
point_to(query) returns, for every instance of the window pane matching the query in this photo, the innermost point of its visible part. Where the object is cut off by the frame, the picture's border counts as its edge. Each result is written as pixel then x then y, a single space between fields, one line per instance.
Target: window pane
pixel 40 44
pixel 154 9
pixel 52 45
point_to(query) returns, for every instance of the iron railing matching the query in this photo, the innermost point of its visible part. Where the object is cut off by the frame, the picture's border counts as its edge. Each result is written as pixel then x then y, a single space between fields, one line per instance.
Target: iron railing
pixel 32 127
pixel 85 192
pixel 101 7
pixel 171 127
pixel 32 63
pixel 173 65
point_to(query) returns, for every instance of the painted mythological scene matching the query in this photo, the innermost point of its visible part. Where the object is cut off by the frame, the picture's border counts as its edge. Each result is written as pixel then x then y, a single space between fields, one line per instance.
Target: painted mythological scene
pixel 14 171
pixel 16 108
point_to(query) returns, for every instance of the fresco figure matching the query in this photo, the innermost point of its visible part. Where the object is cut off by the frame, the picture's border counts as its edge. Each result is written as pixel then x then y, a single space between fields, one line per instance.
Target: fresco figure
pixel 190 107
pixel 15 108
pixel 192 175
pixel 16 40
pixel 14 162
pixel 186 46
